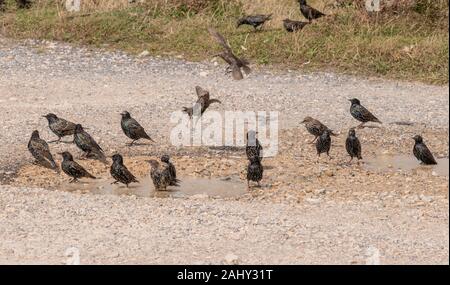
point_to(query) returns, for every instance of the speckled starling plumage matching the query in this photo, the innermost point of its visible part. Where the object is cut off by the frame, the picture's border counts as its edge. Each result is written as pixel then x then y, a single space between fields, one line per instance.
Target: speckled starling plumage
pixel 59 126
pixel 87 144
pixel 133 129
pixel 40 151
pixel 361 114
pixel 253 146
pixel 315 127
pixel 254 170
pixel 293 26
pixel 353 145
pixel 309 12
pixel 323 143
pixel 73 169
pixel 120 172
pixel 173 172
pixel 235 64
pixel 421 151
pixel 254 20
pixel 202 103
pixel 160 175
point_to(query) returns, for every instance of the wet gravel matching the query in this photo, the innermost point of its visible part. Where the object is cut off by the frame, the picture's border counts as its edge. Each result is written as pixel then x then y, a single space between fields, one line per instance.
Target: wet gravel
pixel 325 213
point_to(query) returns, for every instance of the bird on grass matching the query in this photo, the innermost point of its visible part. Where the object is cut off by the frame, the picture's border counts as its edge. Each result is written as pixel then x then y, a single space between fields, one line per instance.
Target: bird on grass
pixel 172 171
pixel 59 126
pixel 293 26
pixel 421 151
pixel 73 169
pixel 40 151
pixel 132 128
pixel 23 4
pixel 361 114
pixel 309 12
pixel 202 103
pixel 160 174
pixel 235 64
pixel 120 172
pixel 323 144
pixel 315 127
pixel 253 146
pixel 87 144
pixel 353 145
pixel 254 20
pixel 254 170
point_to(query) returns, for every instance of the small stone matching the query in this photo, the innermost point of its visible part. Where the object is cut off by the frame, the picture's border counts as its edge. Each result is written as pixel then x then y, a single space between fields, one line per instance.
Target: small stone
pixel 231 259
pixel 144 53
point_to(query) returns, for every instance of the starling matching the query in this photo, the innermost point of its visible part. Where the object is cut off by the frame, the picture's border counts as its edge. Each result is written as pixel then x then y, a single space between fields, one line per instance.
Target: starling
pixel 59 126
pixel 253 147
pixel 293 26
pixel 323 144
pixel 120 172
pixel 160 175
pixel 23 4
pixel 361 114
pixel 173 172
pixel 309 12
pixel 73 169
pixel 87 144
pixel 202 102
pixel 315 127
pixel 421 151
pixel 132 128
pixel 40 151
pixel 234 63
pixel 353 145
pixel 254 170
pixel 254 20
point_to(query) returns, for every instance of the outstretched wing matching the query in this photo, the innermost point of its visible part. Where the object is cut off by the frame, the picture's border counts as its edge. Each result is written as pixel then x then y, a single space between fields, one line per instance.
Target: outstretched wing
pixel 220 39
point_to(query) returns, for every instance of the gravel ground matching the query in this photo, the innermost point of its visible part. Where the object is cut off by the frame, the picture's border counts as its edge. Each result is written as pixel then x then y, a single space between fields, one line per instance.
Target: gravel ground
pixel 305 212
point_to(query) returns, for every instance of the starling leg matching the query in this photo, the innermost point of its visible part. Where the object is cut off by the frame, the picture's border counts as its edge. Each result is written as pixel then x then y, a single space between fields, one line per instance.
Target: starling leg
pixel 131 144
pixel 361 126
pixel 73 180
pixel 351 159
pixel 259 185
pixel 311 142
pixel 248 183
pixel 115 182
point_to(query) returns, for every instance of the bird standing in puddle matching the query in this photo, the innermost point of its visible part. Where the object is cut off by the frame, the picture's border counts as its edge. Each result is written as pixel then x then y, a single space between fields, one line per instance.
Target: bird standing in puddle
pixel 421 151
pixel 40 151
pixel 73 169
pixel 120 172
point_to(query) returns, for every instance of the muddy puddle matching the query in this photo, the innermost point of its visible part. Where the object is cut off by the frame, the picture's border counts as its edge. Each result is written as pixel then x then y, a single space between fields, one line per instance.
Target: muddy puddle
pixel 215 187
pixel 406 163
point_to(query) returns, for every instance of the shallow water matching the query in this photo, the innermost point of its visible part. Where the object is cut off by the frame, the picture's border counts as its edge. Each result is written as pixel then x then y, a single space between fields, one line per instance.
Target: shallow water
pixel 406 163
pixel 219 188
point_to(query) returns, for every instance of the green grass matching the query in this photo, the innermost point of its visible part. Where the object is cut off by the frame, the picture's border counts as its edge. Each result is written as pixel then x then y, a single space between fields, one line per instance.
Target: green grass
pixel 411 45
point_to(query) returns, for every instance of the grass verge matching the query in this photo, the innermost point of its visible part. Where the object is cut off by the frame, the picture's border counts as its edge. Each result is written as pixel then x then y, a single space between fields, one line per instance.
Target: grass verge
pixel 407 42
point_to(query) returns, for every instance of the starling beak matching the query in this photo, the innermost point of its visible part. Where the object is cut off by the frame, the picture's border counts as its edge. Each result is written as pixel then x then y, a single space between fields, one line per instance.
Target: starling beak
pixel 254 20
pixel 315 127
pixel 293 26
pixel 253 147
pixel 201 104
pixel 41 152
pixel 120 172
pixel 59 126
pixel 72 168
pixel 87 144
pixel 160 175
pixel 235 64
pixel 173 172
pixel 254 170
pixel 361 114
pixel 323 144
pixel 353 145
pixel 421 151
pixel 132 128
pixel 309 12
